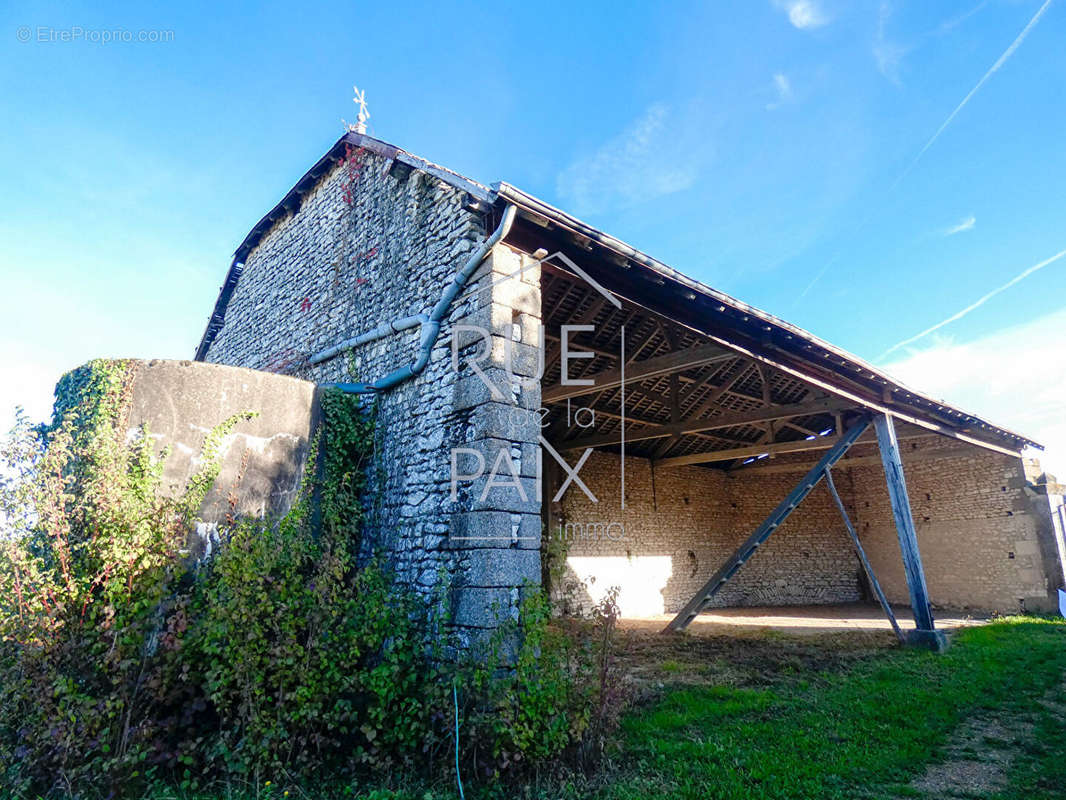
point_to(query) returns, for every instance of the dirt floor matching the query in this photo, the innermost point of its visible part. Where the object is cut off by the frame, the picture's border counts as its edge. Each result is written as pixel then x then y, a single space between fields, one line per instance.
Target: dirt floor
pixel 802 620
pixel 757 646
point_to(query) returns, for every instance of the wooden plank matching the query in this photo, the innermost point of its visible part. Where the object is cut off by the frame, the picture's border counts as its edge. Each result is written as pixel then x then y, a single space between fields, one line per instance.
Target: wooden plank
pixel 862 556
pixel 638 371
pixel 577 344
pixel 710 423
pixel 901 511
pixel 768 526
pixel 770 448
pixel 909 457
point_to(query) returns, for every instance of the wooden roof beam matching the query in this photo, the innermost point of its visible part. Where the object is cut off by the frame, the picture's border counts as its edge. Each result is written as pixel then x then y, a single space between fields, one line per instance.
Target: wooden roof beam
pixel 722 421
pixel 801 446
pixel 638 371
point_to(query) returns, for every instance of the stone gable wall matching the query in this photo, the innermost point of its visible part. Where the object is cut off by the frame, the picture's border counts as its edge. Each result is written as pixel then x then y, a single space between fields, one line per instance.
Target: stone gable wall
pixel 365 248
pixel 979 534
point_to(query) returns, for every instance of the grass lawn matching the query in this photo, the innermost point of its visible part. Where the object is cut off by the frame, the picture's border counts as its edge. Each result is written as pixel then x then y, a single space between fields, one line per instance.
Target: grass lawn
pixel 880 727
pixel 776 716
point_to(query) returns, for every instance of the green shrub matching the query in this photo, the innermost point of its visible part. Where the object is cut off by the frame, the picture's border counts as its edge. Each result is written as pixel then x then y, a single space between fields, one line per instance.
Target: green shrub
pixel 309 661
pixel 123 665
pixel 556 700
pixel 89 571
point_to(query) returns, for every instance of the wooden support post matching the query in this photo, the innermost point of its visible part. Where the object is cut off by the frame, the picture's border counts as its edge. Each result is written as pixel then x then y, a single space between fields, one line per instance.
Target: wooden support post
pixel 925 635
pixel 862 556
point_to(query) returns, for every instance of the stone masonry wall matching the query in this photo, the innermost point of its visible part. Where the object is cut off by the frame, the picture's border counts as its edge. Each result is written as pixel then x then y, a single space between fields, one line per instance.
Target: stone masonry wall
pixel 986 538
pixel 365 248
pixel 978 532
pixel 680 524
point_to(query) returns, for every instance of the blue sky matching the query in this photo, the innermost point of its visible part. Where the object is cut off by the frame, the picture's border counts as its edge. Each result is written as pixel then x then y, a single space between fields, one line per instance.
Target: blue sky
pixel 769 148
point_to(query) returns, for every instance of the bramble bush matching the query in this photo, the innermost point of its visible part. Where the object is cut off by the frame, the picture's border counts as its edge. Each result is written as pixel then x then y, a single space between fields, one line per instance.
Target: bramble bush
pixel 123 664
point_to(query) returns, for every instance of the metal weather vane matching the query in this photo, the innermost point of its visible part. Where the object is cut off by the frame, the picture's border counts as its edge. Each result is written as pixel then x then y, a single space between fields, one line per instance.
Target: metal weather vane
pixel 364 114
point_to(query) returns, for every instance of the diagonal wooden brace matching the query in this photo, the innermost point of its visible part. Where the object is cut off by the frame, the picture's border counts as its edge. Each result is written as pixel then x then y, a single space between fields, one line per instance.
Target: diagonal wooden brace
pixel 862 556
pixel 768 526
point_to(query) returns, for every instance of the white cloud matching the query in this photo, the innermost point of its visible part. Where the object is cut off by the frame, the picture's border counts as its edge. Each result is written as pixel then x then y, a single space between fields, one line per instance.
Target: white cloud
pixel 783 88
pixel 888 54
pixel 965 225
pixel 953 22
pixel 803 14
pixel 914 161
pixel 1014 377
pixel 654 156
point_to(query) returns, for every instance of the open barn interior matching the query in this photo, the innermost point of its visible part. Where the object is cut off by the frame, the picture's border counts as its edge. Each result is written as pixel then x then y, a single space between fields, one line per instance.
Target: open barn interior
pixel 689 422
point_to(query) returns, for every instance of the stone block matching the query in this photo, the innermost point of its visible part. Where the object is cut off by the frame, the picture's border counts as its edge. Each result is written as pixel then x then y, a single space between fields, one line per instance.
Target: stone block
pixel 494 529
pixel 492 567
pixel 524 457
pixel 503 421
pixel 497 319
pixel 472 390
pixel 502 493
pixel 474 607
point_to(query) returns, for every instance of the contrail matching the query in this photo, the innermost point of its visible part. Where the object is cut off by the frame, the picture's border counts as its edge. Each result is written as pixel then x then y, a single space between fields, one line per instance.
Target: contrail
pixel 817 277
pixel 984 78
pixel 992 70
pixel 959 315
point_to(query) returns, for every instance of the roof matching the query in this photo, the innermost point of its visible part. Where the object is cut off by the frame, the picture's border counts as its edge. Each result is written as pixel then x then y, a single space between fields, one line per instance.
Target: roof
pixel 762 336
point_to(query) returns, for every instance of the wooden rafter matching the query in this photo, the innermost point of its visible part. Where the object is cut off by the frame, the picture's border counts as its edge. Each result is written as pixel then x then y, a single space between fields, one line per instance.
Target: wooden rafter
pixel 675 417
pixel 765 448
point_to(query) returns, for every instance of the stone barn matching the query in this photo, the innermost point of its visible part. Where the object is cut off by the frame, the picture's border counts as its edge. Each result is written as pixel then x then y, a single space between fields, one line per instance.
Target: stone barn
pixel 555 405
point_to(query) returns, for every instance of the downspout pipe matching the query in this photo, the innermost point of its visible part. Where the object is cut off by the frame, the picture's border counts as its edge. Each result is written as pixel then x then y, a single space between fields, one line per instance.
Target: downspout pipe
pixel 380 332
pixel 430 325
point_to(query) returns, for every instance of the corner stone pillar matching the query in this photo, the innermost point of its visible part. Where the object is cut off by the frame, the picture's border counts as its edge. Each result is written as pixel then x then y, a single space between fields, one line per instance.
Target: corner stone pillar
pixel 496 530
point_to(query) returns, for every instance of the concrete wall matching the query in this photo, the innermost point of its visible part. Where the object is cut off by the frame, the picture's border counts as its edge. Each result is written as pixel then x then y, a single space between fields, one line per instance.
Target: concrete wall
pixel 179 403
pixel 986 537
pixel 367 247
